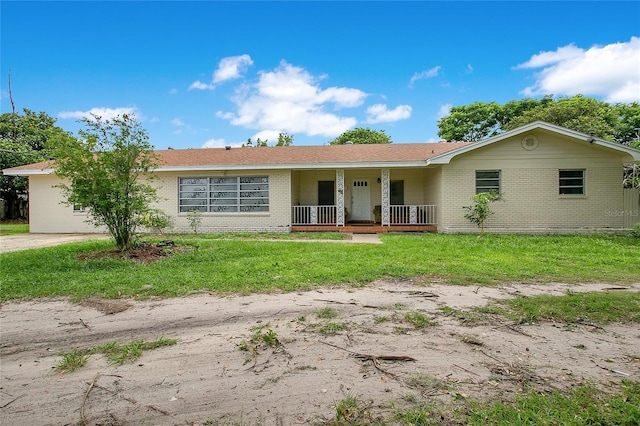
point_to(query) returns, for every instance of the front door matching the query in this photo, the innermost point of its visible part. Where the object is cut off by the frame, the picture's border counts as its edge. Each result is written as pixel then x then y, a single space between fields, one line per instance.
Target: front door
pixel 360 200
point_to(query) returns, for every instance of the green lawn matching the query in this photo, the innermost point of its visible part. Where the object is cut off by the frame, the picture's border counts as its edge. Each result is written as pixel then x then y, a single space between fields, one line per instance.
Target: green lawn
pixel 256 265
pixel 14 228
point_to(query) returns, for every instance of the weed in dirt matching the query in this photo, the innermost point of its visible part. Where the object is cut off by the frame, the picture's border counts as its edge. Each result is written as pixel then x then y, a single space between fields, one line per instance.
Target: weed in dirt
pixel 398 306
pixel 73 360
pixel 379 319
pixel 426 383
pixel 580 346
pixel 350 411
pixel 332 328
pixel 326 313
pixel 114 352
pixel 418 320
pixel 468 318
pixel 471 340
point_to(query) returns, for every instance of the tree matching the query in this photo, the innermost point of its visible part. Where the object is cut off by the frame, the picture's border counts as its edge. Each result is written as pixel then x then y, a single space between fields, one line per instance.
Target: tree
pixel 481 209
pixel 106 170
pixel 361 135
pixel 22 141
pixel 284 139
pixel 586 115
pixel 480 120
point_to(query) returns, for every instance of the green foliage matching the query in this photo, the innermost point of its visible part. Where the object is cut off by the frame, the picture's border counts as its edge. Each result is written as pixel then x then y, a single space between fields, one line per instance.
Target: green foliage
pixel 73 360
pixel 481 120
pixel 326 313
pixel 22 141
pixel 103 171
pixel 114 352
pixel 586 115
pixel 584 405
pixel 14 228
pixel 256 266
pixel 284 139
pixel 156 220
pixel 481 209
pixel 596 308
pixel 194 217
pixel 332 328
pixel 418 320
pixel 361 135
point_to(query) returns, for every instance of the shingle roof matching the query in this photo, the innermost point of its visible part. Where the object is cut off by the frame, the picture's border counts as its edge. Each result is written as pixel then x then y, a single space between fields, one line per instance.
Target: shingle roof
pixel 298 155
pixel 288 156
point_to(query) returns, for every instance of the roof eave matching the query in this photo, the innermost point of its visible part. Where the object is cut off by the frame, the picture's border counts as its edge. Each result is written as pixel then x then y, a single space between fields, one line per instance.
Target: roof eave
pixel 446 157
pixel 297 166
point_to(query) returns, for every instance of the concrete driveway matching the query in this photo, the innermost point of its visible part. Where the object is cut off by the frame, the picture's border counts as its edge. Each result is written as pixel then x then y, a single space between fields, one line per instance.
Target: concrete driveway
pixel 19 242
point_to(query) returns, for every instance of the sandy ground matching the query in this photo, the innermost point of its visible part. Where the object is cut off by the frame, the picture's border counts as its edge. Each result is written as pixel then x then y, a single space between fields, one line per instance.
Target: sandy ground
pixel 205 377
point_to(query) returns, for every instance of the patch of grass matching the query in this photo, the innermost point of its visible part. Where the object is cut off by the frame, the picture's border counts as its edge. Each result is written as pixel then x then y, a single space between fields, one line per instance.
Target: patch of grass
pixel 332 328
pixel 326 313
pixel 379 319
pixel 114 352
pixel 73 360
pixel 13 228
pixel 254 265
pixel 585 405
pixel 597 308
pixel 468 318
pixel 418 320
pixel 425 383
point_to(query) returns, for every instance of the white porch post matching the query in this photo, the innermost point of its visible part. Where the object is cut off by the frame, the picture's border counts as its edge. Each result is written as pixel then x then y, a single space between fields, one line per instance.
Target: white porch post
pixel 340 198
pixel 385 197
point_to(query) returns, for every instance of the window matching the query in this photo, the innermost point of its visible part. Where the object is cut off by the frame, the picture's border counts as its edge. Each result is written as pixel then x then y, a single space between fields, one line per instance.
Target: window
pixel 79 208
pixel 571 182
pixel 487 181
pixel 326 193
pixel 397 192
pixel 235 194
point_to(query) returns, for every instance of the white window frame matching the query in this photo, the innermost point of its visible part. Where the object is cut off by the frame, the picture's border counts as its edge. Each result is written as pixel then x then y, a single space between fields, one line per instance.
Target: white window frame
pixel 487 187
pixel 224 194
pixel 582 185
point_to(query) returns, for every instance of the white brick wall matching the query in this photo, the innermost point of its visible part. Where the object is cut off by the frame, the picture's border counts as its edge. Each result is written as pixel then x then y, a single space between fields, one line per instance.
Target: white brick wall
pixel 529 183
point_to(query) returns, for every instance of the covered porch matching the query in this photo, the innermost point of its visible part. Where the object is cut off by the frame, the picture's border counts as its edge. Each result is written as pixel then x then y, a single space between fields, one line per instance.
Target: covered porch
pixel 365 200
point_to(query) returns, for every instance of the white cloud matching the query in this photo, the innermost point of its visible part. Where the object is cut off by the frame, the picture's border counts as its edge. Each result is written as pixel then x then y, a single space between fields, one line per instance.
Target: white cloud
pixel 379 113
pixel 291 99
pixel 173 91
pixel 177 122
pixel 104 113
pixel 610 72
pixel 229 68
pixel 433 72
pixel 469 69
pixel 444 110
pixel 267 135
pixel 216 143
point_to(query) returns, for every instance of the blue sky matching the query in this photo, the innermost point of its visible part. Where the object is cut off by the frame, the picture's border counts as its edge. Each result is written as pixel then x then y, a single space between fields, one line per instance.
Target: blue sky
pixel 210 74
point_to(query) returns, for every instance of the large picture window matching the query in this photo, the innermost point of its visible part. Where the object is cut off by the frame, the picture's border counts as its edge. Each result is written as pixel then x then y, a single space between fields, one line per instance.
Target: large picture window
pixel 571 182
pixel 487 181
pixel 226 194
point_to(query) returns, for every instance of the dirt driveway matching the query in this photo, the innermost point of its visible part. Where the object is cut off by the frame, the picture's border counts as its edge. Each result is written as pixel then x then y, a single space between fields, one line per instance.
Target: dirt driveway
pixel 219 373
pixel 19 242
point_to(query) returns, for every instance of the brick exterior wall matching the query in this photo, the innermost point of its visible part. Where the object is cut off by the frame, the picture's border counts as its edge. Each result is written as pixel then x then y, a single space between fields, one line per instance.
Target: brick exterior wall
pixel 529 183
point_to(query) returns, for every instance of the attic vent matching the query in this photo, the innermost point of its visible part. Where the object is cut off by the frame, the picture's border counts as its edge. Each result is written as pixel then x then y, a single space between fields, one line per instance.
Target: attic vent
pixel 529 142
pixel 227 147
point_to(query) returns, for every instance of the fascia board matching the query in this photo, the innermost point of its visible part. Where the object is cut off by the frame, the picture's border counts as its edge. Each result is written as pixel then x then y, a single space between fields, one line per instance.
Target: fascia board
pixel 448 156
pixel 301 166
pixel 25 172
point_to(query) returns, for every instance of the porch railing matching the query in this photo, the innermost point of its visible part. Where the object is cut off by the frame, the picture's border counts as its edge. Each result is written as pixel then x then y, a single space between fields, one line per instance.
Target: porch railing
pixel 412 215
pixel 398 215
pixel 314 215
